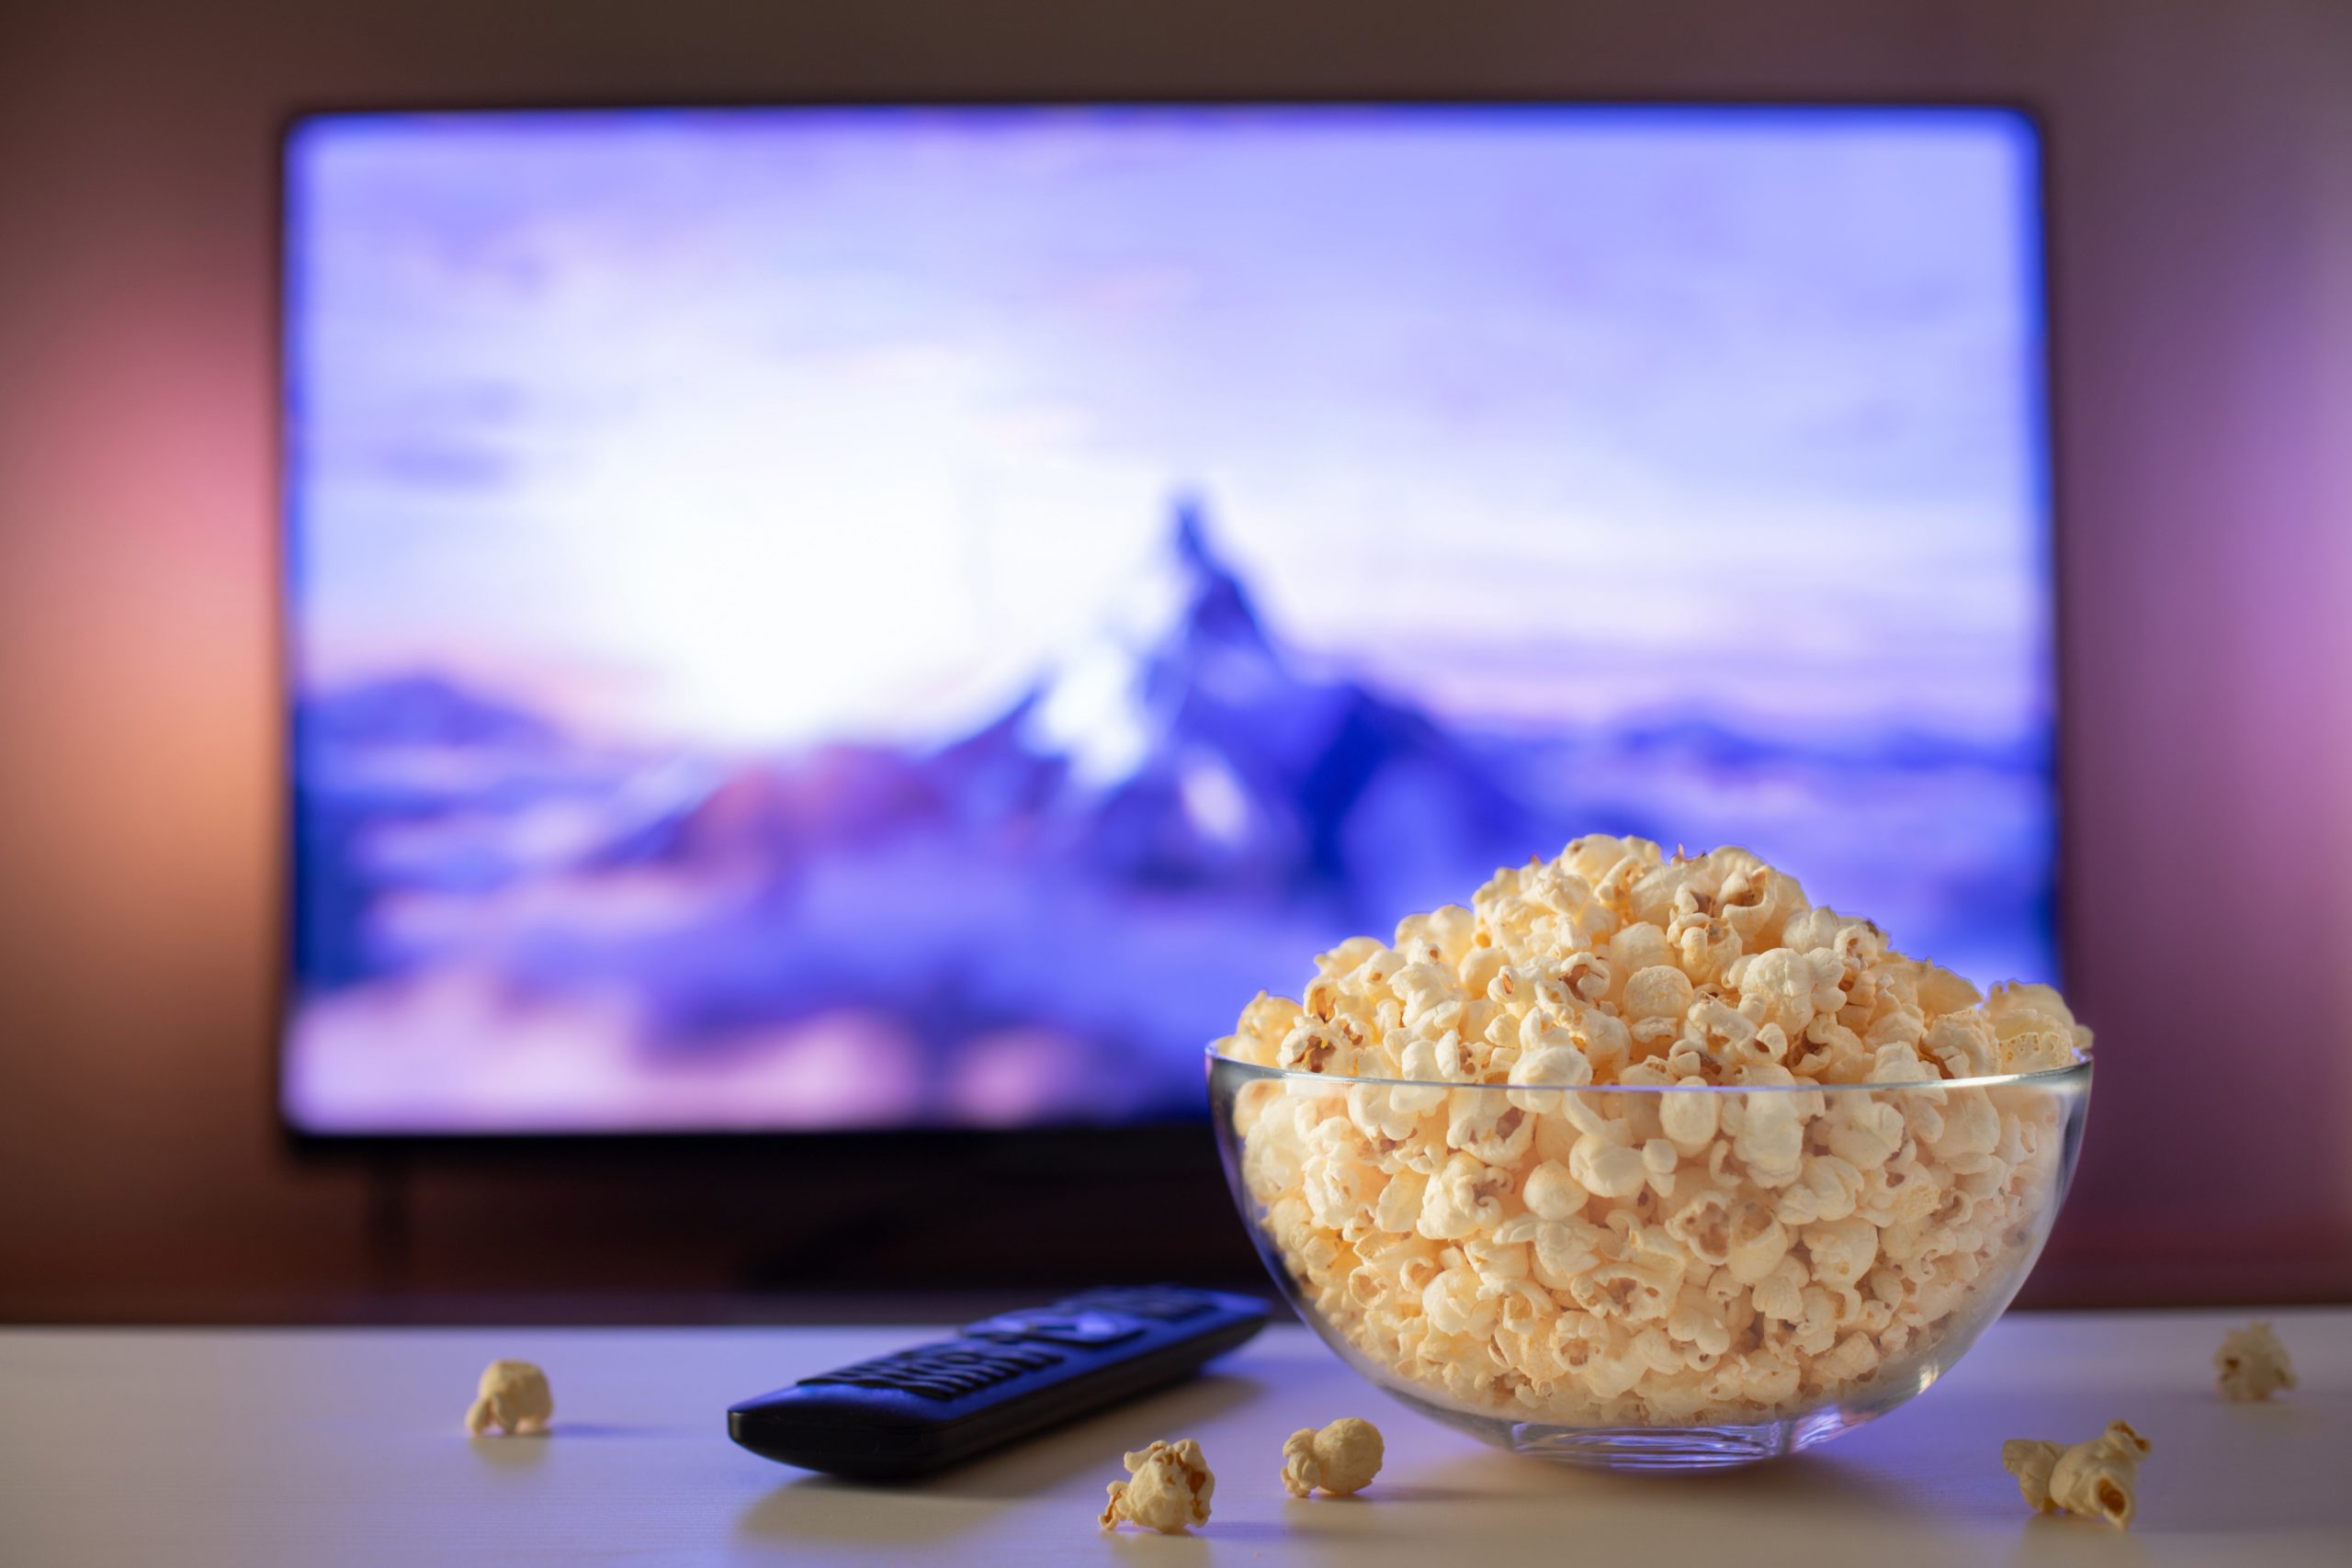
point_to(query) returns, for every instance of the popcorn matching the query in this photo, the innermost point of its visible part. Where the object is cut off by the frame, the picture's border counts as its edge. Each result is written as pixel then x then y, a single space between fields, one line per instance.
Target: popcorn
pixel 2030 1460
pixel 1461 1199
pixel 513 1398
pixel 1341 1459
pixel 2252 1364
pixel 1606 1170
pixel 1540 1219
pixel 1167 1489
pixel 2098 1479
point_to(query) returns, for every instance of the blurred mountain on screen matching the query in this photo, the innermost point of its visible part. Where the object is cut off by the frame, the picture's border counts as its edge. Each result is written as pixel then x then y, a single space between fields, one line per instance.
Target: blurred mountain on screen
pixel 419 710
pixel 1180 750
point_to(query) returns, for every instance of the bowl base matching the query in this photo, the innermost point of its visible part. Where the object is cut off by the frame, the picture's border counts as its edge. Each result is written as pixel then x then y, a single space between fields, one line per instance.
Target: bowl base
pixel 1650 1447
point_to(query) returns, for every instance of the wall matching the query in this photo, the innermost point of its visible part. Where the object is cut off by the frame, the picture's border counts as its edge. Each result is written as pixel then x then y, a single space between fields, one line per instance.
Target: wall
pixel 2203 256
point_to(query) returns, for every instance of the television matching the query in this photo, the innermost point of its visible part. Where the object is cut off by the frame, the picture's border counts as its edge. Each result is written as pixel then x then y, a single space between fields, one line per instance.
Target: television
pixel 901 617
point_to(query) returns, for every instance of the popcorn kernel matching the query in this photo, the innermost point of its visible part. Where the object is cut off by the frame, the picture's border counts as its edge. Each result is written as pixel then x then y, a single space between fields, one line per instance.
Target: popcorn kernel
pixel 2252 1364
pixel 513 1398
pixel 1167 1489
pixel 1341 1459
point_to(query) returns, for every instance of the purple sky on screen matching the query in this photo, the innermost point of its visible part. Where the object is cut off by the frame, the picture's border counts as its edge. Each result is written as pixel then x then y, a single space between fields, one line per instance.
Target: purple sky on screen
pixel 750 428
pixel 1671 472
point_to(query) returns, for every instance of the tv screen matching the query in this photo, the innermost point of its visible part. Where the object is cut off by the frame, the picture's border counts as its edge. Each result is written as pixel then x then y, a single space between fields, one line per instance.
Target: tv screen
pixel 879 617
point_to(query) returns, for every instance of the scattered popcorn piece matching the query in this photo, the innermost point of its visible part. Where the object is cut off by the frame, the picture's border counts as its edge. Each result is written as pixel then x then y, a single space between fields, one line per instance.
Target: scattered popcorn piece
pixel 2098 1479
pixel 1341 1459
pixel 2030 1461
pixel 513 1398
pixel 1469 1205
pixel 1302 1471
pixel 1168 1488
pixel 2101 1477
pixel 2252 1364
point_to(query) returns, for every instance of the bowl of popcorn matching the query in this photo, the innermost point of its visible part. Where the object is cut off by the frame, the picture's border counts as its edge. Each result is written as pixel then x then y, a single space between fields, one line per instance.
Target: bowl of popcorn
pixel 1648 1162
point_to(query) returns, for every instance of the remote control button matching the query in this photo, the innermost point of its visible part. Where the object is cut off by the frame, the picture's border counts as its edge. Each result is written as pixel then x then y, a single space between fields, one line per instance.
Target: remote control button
pixel 1160 1303
pixel 1084 1328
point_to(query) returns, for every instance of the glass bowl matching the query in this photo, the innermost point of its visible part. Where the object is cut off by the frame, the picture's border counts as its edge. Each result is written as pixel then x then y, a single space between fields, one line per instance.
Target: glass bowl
pixel 1648 1278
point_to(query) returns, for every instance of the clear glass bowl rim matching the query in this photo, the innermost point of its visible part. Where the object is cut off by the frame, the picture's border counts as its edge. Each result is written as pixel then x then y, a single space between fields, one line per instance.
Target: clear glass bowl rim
pixel 2074 1076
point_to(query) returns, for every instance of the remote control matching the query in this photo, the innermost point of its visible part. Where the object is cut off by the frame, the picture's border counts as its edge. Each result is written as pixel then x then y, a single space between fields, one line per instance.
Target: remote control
pixel 922 1409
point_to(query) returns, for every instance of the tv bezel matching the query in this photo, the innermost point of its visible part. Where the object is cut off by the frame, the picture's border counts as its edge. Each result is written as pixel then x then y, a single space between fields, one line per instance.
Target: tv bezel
pixel 1165 1145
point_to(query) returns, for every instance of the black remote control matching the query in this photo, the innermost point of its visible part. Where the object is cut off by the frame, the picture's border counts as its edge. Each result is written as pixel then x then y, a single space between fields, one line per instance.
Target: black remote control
pixel 922 1409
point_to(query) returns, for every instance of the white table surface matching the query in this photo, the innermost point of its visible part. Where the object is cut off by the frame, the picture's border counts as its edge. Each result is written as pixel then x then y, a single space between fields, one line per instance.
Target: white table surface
pixel 343 1447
